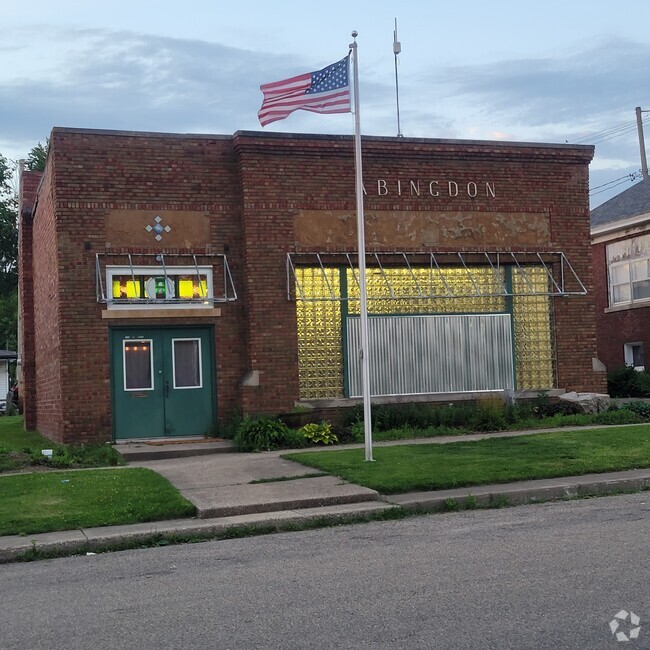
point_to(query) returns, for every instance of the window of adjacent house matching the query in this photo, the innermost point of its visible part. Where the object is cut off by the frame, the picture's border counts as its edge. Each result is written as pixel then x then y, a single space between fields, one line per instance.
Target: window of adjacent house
pixel 634 355
pixel 172 286
pixel 628 265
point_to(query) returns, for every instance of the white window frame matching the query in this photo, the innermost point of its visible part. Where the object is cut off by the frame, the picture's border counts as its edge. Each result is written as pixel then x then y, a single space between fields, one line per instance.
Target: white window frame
pixel 628 349
pixel 622 257
pixel 126 342
pixel 174 364
pixel 157 271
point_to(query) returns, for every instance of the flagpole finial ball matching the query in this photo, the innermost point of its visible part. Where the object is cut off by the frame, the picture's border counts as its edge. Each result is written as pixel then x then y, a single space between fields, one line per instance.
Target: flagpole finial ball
pixel 355 33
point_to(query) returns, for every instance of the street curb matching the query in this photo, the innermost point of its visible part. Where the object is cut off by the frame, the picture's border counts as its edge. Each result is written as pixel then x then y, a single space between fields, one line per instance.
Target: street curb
pixel 17 547
pixel 112 538
pixel 521 493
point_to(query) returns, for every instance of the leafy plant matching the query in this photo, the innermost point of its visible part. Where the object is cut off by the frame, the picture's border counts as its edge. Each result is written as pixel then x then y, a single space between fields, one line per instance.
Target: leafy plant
pixel 294 439
pixel 628 382
pixel 489 415
pixel 261 434
pixel 640 408
pixel 227 427
pixel 319 433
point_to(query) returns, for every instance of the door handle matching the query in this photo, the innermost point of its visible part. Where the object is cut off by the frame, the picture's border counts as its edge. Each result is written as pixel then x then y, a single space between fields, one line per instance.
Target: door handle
pixel 166 387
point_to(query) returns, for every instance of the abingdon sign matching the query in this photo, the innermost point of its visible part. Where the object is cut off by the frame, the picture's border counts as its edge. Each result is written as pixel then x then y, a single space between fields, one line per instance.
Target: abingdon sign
pixel 384 187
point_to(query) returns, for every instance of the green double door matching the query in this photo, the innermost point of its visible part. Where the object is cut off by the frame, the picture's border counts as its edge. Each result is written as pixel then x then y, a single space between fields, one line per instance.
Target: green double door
pixel 162 382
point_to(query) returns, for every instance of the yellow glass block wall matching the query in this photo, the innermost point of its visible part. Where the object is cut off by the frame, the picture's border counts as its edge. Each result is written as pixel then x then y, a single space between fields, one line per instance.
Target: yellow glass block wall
pixel 533 331
pixel 429 281
pixel 320 345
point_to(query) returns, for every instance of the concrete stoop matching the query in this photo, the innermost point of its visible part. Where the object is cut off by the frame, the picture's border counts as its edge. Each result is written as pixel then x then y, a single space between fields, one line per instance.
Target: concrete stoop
pixel 137 451
pixel 301 493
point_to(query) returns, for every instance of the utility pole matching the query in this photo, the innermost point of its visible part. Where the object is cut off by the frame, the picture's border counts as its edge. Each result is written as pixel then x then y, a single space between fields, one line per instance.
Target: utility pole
pixel 639 127
pixel 397 48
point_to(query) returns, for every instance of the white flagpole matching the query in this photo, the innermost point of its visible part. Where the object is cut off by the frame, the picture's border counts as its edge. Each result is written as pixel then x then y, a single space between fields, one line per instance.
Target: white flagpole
pixel 361 238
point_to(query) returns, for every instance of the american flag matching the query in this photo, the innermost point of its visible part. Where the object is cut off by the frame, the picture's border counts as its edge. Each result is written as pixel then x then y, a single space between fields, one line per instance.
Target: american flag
pixel 323 91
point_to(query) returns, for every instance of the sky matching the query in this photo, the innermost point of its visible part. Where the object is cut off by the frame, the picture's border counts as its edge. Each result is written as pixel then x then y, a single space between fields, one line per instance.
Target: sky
pixel 524 71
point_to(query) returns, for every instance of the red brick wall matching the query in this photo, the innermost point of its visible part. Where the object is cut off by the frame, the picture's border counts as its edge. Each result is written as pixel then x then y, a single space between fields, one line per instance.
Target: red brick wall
pixel 26 372
pixel 48 353
pixel 616 328
pixel 97 173
pixel 252 185
pixel 283 174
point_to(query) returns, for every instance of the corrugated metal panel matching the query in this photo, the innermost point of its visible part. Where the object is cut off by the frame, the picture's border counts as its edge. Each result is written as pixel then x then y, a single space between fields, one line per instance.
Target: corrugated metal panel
pixel 412 355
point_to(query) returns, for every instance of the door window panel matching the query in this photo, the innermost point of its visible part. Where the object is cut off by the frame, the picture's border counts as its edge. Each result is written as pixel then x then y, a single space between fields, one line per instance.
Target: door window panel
pixel 187 363
pixel 138 360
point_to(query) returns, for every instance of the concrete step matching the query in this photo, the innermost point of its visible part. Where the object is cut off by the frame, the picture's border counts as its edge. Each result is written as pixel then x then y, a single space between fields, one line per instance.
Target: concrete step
pixel 161 449
pixel 296 494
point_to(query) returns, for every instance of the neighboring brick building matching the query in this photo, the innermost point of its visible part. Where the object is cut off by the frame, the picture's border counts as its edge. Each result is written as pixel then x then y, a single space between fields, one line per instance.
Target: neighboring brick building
pixel 620 235
pixel 168 280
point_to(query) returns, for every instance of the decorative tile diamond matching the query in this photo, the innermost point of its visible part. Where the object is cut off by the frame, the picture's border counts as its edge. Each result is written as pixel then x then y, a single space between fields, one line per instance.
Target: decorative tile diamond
pixel 158 228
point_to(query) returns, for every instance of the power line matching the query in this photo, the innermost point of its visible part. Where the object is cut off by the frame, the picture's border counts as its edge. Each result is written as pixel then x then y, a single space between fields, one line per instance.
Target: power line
pixel 615 183
pixel 609 133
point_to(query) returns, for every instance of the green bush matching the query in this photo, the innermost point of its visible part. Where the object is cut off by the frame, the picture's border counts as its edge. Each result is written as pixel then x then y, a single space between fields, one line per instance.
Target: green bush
pixel 620 416
pixel 319 433
pixel 642 409
pixel 227 427
pixel 294 439
pixel 414 415
pixel 64 456
pixel 261 434
pixel 628 382
pixel 489 415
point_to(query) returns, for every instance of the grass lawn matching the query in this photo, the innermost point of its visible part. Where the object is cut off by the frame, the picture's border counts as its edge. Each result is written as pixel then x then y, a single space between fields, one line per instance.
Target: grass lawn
pixel 498 460
pixel 49 501
pixel 14 438
pixel 21 449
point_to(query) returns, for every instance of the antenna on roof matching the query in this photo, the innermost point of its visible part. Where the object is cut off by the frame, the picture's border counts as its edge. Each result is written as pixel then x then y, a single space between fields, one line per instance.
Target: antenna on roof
pixel 397 48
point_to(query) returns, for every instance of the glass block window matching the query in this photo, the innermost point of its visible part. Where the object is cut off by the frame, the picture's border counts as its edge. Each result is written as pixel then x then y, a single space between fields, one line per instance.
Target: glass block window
pixel 533 330
pixel 430 282
pixel 320 346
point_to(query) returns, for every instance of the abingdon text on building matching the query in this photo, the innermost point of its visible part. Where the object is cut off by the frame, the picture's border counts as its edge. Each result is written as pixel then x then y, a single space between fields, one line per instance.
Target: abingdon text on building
pixel 385 187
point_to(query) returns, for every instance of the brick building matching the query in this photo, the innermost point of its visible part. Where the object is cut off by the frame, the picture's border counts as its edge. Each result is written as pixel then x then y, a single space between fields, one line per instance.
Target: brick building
pixel 169 280
pixel 620 233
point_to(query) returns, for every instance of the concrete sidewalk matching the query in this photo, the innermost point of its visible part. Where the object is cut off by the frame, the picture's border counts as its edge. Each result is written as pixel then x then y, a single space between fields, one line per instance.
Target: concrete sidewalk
pixel 89 539
pixel 266 492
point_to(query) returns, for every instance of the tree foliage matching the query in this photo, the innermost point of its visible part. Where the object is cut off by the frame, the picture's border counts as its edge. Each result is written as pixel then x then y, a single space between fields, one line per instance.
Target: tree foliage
pixel 37 157
pixel 8 258
pixel 9 244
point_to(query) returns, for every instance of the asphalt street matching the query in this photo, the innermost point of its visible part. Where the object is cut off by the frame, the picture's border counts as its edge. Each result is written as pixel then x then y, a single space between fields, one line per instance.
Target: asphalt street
pixel 541 576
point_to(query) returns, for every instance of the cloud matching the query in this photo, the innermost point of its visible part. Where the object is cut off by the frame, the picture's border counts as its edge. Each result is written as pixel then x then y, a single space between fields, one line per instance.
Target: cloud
pixel 122 80
pixel 571 89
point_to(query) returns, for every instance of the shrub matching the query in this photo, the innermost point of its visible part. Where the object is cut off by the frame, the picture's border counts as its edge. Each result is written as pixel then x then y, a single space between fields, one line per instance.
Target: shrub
pixel 621 416
pixel 489 414
pixel 261 434
pixel 357 430
pixel 227 427
pixel 294 439
pixel 628 382
pixel 319 433
pixel 641 384
pixel 642 409
pixel 76 456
